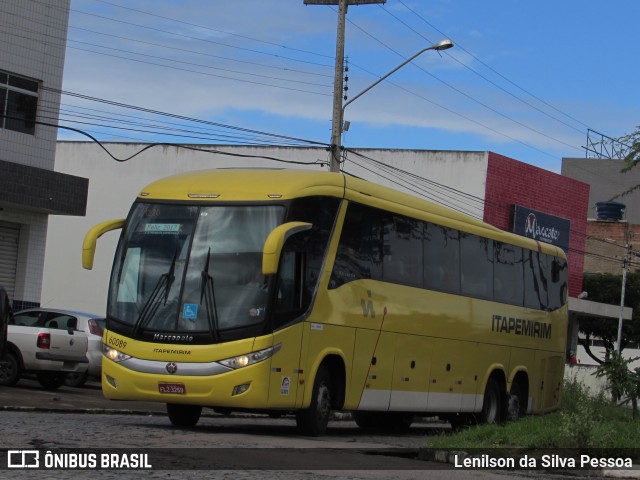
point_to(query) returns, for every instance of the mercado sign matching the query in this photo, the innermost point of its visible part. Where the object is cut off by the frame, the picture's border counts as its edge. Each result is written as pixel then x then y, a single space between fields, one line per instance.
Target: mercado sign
pixel 541 226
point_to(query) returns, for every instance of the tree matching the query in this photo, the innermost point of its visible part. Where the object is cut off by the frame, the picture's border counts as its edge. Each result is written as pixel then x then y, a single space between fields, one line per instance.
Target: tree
pixel 623 383
pixel 628 147
pixel 606 288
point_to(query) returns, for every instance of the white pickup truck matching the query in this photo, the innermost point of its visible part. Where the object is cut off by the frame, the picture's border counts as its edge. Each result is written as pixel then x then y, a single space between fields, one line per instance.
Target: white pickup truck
pixel 45 343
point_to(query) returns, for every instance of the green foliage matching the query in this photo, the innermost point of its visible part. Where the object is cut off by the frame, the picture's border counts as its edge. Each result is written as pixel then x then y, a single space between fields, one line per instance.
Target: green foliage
pixel 628 147
pixel 622 382
pixel 606 288
pixel 583 421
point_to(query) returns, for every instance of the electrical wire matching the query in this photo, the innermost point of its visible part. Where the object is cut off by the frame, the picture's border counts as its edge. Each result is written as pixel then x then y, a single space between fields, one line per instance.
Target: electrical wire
pixel 466 95
pixel 458 45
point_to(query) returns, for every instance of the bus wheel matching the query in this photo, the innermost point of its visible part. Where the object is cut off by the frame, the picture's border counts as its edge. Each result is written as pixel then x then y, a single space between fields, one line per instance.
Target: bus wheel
pixel 183 415
pixel 313 420
pixel 492 405
pixel 517 402
pixel 9 370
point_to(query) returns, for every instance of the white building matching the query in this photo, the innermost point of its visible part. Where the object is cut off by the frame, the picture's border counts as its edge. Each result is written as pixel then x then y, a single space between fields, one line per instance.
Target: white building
pixel 32 49
pixel 114 186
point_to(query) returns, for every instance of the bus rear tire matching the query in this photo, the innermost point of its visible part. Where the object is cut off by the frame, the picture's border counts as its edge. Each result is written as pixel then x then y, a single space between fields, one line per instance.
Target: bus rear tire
pixel 183 415
pixel 313 420
pixel 517 401
pixel 492 406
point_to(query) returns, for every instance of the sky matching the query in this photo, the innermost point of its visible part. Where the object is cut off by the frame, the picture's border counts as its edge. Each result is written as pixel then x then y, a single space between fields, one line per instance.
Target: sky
pixel 525 79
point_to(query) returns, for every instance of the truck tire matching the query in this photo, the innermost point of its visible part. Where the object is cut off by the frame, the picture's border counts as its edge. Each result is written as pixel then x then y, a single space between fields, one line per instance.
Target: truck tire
pixel 76 379
pixel 51 380
pixel 9 370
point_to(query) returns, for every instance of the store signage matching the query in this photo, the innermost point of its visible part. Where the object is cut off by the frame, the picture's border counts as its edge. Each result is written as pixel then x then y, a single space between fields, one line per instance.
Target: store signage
pixel 541 226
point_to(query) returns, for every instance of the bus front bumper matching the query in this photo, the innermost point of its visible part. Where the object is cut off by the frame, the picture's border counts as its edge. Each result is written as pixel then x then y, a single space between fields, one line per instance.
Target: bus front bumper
pixel 246 387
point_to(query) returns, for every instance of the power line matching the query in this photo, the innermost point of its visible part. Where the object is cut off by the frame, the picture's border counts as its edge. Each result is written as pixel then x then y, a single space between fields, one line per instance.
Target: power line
pixel 495 71
pixel 466 95
pixel 166 144
pixel 226 32
pixel 181 117
pixel 200 39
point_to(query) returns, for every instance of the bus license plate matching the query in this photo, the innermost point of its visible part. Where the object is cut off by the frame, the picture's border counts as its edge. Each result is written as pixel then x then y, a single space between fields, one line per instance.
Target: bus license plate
pixel 175 388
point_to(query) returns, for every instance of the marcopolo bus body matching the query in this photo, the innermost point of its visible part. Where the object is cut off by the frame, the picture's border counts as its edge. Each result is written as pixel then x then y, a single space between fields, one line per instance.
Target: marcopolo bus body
pixel 293 291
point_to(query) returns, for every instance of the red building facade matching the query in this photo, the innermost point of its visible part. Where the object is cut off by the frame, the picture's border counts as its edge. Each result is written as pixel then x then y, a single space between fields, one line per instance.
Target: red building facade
pixel 510 183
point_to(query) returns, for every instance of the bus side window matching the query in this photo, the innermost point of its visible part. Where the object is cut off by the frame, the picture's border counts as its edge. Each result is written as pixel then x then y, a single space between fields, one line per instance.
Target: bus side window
pixel 303 255
pixel 535 280
pixel 476 260
pixel 508 274
pixel 558 283
pixel 403 252
pixel 359 254
pixel 441 259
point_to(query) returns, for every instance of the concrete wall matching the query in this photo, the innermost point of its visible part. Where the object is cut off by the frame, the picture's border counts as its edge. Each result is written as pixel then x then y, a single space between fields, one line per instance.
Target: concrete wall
pixel 113 187
pixel 607 181
pixel 32 44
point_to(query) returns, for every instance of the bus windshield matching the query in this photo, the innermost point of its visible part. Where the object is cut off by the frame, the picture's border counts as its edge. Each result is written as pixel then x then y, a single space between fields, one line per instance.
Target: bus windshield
pixel 188 269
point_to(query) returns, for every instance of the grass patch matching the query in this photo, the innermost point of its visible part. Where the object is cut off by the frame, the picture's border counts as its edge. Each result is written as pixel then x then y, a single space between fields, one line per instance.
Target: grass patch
pixel 583 422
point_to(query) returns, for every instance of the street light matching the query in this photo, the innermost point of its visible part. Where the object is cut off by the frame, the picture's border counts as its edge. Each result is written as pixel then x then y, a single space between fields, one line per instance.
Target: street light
pixel 336 141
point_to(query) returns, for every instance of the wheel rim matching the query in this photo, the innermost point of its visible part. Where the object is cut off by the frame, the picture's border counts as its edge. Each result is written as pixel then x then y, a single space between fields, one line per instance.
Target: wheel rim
pixel 324 403
pixel 491 412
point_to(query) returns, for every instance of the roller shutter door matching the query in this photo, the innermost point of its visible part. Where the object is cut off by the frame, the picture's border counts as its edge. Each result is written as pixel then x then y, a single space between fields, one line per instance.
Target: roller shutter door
pixel 8 258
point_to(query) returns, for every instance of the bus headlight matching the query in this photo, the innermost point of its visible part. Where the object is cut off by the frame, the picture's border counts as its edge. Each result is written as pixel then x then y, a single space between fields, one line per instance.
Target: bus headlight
pixel 250 358
pixel 113 354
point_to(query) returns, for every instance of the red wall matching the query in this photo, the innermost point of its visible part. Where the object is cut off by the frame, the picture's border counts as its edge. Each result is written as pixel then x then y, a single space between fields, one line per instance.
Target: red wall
pixel 510 182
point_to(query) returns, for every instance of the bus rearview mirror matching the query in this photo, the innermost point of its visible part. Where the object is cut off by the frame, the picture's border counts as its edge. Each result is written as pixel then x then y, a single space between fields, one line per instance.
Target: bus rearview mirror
pixel 274 243
pixel 91 237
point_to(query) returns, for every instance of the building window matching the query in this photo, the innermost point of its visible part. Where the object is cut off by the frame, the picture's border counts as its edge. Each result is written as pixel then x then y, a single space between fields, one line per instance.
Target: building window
pixel 18 103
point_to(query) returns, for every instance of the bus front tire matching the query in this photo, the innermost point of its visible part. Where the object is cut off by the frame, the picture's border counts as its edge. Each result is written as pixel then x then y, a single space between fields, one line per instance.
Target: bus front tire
pixel 313 420
pixel 183 415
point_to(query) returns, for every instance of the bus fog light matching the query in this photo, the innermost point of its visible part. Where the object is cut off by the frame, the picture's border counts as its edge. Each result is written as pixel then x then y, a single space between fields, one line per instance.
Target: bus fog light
pixel 111 381
pixel 238 389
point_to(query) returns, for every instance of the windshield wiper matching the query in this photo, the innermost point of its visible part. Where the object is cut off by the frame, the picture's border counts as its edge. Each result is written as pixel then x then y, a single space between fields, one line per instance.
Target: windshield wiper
pixel 207 292
pixel 163 287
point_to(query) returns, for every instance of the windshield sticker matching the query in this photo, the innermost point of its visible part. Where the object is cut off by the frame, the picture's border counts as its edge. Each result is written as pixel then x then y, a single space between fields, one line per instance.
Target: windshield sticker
pixel 190 311
pixel 163 228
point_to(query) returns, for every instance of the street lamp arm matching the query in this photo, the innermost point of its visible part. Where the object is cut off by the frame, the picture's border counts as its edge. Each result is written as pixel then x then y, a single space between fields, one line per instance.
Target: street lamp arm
pixel 443 45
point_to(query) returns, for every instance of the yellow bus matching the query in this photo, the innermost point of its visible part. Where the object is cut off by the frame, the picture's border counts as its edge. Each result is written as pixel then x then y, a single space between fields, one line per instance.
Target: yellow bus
pixel 285 291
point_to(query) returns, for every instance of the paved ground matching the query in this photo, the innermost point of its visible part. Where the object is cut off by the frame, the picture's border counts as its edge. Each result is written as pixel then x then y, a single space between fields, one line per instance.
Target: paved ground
pixel 29 394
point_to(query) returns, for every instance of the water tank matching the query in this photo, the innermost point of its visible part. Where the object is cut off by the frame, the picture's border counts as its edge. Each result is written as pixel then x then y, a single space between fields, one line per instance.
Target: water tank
pixel 613 211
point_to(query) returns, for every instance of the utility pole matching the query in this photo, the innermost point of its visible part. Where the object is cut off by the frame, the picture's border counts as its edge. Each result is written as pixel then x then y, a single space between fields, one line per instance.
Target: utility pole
pixel 625 263
pixel 336 123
